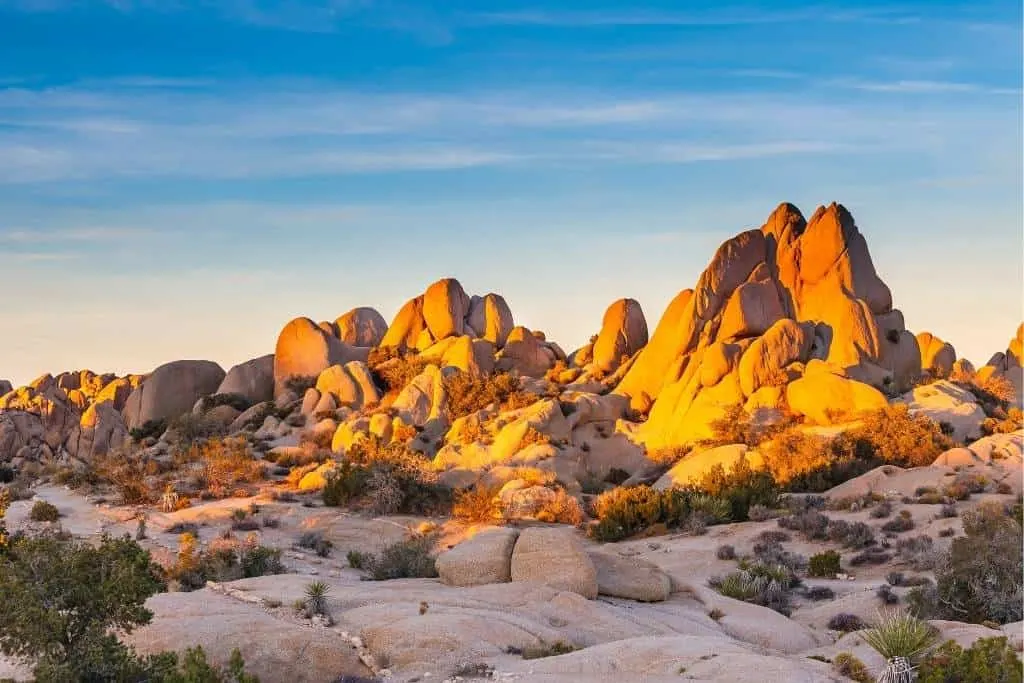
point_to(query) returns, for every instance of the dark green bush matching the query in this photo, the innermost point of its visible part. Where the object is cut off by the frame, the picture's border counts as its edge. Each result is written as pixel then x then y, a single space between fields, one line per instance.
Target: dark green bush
pixel 742 487
pixel 988 660
pixel 43 511
pixel 824 564
pixel 150 428
pixel 624 512
pixel 409 559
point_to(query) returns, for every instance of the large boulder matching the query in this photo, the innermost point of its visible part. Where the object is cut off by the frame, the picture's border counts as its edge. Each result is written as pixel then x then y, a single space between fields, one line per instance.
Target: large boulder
pixel 937 356
pixel 5 387
pixel 1008 364
pixel 100 430
pixel 490 318
pixel 45 399
pixel 362 326
pixel 525 353
pixel 623 333
pixel 945 402
pixel 351 385
pixel 554 557
pixel 825 397
pixel 445 306
pixel 631 578
pixel 409 330
pixel 17 430
pixel 484 558
pixel 171 390
pixel 252 380
pixel 305 350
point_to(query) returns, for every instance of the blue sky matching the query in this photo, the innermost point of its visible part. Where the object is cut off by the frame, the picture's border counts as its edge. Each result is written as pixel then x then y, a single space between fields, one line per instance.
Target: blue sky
pixel 178 179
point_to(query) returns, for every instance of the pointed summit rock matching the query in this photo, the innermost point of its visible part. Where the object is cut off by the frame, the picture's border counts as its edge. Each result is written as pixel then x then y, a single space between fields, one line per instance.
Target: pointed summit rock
pixel 771 301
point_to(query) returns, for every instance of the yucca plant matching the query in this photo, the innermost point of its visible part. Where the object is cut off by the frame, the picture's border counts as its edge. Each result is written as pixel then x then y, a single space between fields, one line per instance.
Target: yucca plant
pixel 316 598
pixel 902 639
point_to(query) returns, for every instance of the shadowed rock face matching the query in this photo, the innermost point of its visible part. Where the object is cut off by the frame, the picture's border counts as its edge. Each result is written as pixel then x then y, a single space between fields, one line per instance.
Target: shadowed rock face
pixel 171 390
pixel 770 302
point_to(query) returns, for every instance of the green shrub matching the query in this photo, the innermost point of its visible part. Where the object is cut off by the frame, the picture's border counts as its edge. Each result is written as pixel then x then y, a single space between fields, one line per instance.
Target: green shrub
pixel 544 650
pixel 846 664
pixel 387 479
pixel 409 559
pixel 43 511
pixel 315 541
pixel 224 559
pixel 194 668
pixel 150 428
pixel 742 487
pixel 624 512
pixel 65 602
pixel 468 393
pixel 988 660
pixel 316 598
pixel 824 564
pixel 759 583
pixel 900 635
pixel 981 578
pixel 845 623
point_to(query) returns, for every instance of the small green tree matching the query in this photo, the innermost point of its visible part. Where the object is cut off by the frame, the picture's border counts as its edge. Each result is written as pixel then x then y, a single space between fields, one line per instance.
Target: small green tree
pixel 65 601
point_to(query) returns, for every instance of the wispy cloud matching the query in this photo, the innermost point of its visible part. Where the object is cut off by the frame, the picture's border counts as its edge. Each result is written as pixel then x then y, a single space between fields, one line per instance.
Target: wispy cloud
pixel 719 17
pixel 925 87
pixel 78 234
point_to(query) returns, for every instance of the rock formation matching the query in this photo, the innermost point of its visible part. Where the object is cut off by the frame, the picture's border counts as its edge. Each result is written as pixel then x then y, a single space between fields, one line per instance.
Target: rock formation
pixel 362 326
pixel 304 350
pixel 1008 364
pixel 772 302
pixel 937 356
pixel 252 380
pixel 171 390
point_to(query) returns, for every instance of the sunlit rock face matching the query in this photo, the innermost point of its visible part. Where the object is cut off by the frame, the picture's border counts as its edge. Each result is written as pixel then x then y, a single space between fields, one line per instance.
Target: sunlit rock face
pixel 797 304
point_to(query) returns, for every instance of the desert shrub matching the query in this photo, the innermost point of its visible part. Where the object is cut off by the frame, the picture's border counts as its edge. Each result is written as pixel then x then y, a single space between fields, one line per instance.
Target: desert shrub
pixel 894 578
pixel 236 401
pixel 810 524
pixel 315 541
pixel 948 511
pixel 882 510
pixel 344 483
pixel 774 554
pixel 846 623
pixel 468 393
pixel 393 370
pixel 900 637
pixel 919 552
pixel 356 559
pixel 980 578
pixel 65 602
pixel 544 650
pixel 667 456
pixel 149 429
pixel 725 552
pixel 964 485
pixel 1013 421
pixel 819 593
pixel 824 564
pixel 316 598
pixel 409 559
pixel 893 435
pixel 43 511
pixel 761 583
pixel 808 462
pixel 773 537
pixel 988 660
pixel 623 512
pixel 562 509
pixel 386 478
pixel 850 534
pixel 225 559
pixel 223 464
pixel 871 555
pixel 533 437
pixel 846 664
pixel 994 393
pixel 477 505
pixel 900 523
pixel 886 595
pixel 127 473
pixel 734 426
pixel 299 384
pixel 166 667
pixel 760 513
pixel 742 487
